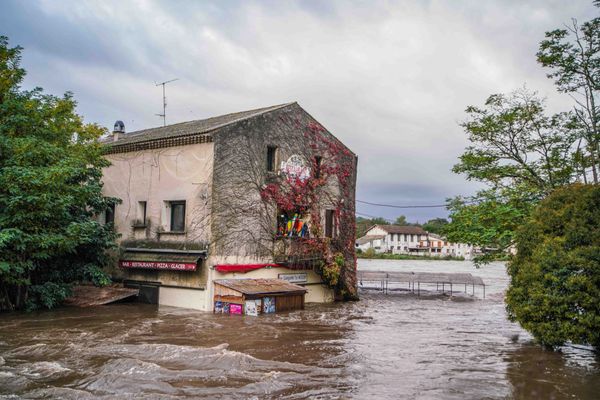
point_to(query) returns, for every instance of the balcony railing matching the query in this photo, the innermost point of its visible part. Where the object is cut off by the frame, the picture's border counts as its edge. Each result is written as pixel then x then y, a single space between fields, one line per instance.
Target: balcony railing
pixel 299 253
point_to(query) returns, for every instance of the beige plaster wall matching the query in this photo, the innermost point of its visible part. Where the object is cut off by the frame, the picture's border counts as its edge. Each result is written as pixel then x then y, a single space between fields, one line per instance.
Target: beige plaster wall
pixel 184 298
pixel 157 176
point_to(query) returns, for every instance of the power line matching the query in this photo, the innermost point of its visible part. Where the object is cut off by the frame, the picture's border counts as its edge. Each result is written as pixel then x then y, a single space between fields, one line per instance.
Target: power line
pixel 371 216
pixel 396 206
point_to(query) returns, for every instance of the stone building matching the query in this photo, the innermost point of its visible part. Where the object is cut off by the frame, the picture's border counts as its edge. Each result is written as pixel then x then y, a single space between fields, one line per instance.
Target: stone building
pixel 266 193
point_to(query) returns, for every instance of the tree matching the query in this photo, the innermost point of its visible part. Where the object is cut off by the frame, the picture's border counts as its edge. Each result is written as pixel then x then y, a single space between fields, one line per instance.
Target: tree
pixel 379 221
pixel 50 191
pixel 573 56
pixel 401 220
pixel 435 225
pixel 555 276
pixel 514 143
pixel 521 154
pixel 364 224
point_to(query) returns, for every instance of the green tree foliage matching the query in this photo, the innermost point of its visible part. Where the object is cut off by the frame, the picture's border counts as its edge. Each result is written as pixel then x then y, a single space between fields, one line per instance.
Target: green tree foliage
pixel 50 190
pixel 515 144
pixel 435 225
pixel 379 221
pixel 573 56
pixel 363 224
pixel 521 155
pixel 401 220
pixel 555 275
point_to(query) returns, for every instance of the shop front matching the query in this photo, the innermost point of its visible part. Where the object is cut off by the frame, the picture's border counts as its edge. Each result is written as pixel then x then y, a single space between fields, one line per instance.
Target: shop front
pixel 256 296
pixel 165 276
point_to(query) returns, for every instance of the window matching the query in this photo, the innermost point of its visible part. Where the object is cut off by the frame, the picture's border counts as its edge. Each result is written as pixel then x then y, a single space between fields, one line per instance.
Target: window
pixel 141 213
pixel 271 158
pixel 318 160
pixel 177 216
pixel 329 223
pixel 109 215
pixel 292 224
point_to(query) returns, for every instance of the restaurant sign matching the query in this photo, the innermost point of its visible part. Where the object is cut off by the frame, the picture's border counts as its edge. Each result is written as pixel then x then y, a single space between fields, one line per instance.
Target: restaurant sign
pixel 171 266
pixel 294 278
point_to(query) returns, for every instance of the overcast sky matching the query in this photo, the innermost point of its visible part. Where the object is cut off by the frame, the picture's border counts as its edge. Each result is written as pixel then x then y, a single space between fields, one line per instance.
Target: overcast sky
pixel 390 79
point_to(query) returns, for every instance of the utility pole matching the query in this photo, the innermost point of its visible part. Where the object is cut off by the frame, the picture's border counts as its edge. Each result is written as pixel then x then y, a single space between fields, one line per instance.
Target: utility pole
pixel 164 113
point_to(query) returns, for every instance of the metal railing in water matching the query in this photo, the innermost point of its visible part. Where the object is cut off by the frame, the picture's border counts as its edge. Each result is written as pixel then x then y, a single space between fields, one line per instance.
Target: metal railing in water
pixel 443 281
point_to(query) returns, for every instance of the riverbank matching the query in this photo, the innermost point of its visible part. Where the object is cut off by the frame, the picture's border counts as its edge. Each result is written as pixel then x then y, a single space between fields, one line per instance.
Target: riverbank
pixel 388 256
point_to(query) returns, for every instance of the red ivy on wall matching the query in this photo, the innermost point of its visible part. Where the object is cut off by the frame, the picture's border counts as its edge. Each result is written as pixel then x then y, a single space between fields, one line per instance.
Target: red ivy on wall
pixel 306 196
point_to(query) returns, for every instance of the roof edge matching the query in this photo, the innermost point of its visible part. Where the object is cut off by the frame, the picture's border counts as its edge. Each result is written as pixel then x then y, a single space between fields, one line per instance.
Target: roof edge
pixel 217 127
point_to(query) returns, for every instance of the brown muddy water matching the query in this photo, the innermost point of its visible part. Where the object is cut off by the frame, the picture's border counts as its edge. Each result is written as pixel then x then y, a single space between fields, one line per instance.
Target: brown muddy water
pixel 383 347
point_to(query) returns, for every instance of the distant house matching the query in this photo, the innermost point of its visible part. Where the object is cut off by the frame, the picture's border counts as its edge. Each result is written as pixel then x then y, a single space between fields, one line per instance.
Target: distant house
pixel 415 240
pixel 370 241
pixel 394 239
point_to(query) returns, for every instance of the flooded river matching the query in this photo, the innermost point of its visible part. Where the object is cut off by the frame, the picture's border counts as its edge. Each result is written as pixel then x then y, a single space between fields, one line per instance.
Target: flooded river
pixel 384 347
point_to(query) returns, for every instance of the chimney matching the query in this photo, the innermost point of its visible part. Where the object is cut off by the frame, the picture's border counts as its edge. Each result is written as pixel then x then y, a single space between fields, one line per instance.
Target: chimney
pixel 118 130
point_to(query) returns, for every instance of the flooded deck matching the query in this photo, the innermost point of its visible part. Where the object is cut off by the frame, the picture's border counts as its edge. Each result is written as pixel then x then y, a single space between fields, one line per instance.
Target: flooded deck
pixel 90 296
pixel 444 282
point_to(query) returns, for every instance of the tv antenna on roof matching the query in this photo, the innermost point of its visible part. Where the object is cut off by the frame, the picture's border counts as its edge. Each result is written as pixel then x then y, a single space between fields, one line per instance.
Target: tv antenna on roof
pixel 164 113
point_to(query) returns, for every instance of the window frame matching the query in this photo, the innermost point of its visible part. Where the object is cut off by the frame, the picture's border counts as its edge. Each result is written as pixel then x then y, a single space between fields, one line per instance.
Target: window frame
pixel 318 161
pixel 172 205
pixel 143 207
pixel 271 158
pixel 110 210
pixel 330 223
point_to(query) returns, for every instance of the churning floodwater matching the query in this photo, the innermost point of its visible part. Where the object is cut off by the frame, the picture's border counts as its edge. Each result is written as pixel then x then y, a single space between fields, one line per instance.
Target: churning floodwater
pixel 390 346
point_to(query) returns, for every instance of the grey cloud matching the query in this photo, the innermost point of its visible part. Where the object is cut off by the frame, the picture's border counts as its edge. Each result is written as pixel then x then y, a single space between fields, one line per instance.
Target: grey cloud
pixel 391 79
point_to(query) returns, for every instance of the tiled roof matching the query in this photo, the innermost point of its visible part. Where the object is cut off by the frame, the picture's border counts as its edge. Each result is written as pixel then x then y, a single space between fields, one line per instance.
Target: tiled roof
pixel 407 230
pixel 260 286
pixel 368 238
pixel 189 128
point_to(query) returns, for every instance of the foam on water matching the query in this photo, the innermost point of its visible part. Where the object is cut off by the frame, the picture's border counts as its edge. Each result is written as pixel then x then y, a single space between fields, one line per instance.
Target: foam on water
pixel 386 346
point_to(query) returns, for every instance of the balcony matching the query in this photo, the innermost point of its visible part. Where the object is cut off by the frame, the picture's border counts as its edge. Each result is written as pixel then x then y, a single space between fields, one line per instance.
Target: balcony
pixel 300 253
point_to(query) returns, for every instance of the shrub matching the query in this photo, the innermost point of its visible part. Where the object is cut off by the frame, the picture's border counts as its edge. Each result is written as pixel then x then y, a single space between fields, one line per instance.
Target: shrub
pixel 555 276
pixel 370 253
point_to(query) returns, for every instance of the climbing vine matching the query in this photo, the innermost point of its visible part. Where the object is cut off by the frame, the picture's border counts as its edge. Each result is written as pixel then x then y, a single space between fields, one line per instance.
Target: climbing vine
pixel 279 180
pixel 329 184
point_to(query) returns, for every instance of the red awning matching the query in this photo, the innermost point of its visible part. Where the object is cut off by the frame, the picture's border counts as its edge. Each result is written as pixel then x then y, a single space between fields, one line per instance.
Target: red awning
pixel 243 267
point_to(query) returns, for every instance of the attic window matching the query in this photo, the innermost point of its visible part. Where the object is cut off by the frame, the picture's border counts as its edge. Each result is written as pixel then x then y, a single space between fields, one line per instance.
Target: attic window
pixel 271 157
